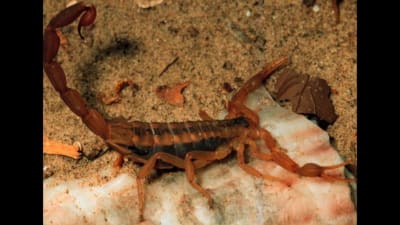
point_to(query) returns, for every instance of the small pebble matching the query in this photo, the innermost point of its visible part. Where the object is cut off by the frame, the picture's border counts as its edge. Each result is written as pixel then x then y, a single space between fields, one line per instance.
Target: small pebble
pixel 227 87
pixel 47 172
pixel 193 32
pixel 248 13
pixel 315 8
pixel 227 65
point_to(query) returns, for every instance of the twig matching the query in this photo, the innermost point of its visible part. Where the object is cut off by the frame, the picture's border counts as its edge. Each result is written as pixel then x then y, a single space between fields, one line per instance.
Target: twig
pixel 170 64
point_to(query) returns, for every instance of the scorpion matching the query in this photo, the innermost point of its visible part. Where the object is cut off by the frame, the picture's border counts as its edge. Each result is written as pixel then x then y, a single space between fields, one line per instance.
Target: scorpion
pixel 186 145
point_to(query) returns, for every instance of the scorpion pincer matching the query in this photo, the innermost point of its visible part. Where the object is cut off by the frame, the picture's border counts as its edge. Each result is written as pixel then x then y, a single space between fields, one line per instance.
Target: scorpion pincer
pixel 186 145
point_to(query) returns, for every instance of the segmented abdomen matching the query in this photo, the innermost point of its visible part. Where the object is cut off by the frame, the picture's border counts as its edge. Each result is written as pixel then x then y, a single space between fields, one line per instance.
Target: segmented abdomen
pixel 178 138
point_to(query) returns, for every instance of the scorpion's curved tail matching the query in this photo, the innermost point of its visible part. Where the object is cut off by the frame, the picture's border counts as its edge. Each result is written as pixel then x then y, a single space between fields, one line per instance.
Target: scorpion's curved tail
pixel 51 43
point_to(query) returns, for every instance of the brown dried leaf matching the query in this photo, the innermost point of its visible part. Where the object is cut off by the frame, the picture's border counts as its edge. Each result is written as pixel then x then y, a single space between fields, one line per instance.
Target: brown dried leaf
pixel 308 95
pixel 117 92
pixel 172 95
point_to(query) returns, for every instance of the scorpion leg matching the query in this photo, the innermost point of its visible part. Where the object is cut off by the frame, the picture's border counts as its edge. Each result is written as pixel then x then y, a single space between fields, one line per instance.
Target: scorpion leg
pixel 126 152
pixel 148 167
pixel 255 152
pixel 201 157
pixel 119 161
pixel 201 163
pixel 235 109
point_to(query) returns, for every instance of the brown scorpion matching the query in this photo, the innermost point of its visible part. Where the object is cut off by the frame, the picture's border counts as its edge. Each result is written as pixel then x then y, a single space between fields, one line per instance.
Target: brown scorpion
pixel 185 145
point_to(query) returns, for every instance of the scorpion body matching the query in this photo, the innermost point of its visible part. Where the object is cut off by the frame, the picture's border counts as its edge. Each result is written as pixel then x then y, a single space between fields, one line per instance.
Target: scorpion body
pixel 185 145
pixel 179 138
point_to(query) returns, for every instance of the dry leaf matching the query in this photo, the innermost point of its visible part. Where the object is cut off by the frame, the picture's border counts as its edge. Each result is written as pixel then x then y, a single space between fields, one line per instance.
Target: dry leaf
pixel 55 148
pixel 172 95
pixel 308 95
pixel 117 92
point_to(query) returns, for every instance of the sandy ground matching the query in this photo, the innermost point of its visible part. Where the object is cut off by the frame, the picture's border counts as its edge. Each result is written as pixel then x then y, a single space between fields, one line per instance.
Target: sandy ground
pixel 215 42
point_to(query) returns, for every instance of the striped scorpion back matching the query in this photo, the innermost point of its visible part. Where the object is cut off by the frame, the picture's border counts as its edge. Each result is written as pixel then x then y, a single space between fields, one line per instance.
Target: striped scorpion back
pixel 178 138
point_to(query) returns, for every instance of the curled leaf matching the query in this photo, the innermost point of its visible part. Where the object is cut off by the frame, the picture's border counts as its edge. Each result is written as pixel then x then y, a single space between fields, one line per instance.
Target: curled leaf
pixel 117 92
pixel 172 95
pixel 55 148
pixel 308 95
